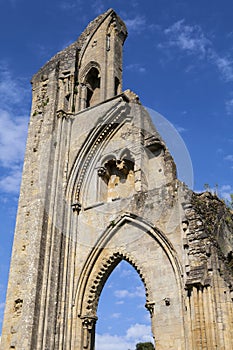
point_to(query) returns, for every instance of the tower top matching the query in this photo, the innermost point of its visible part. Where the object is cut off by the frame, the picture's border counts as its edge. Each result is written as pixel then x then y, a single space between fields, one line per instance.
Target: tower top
pixel 82 40
pixel 93 63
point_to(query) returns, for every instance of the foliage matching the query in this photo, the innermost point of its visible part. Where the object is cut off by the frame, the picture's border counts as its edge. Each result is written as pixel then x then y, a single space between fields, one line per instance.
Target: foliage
pixel 145 346
pixel 231 202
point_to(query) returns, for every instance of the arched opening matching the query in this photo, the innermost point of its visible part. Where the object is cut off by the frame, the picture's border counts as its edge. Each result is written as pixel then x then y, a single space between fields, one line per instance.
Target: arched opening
pixel 92 82
pixel 123 320
pixel 117 86
pixel 117 178
pixel 132 239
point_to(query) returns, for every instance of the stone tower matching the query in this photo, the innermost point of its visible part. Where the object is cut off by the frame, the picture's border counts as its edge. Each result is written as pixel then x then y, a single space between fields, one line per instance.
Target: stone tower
pixel 99 186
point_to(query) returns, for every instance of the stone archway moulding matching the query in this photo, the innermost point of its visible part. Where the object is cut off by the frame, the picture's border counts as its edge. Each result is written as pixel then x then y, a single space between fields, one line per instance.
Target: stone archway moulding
pixel 87 68
pixel 95 142
pixel 92 280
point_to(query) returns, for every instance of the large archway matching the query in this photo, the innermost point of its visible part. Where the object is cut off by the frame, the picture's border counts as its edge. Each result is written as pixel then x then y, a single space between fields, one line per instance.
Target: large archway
pixel 156 263
pixel 123 320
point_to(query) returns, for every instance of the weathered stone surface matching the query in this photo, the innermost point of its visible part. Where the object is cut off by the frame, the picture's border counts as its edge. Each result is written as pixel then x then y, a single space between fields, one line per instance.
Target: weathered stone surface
pixel 99 186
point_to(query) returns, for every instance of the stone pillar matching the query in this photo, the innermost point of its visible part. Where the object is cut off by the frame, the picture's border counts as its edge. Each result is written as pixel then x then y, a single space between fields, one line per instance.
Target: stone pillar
pixel 88 332
pixel 150 306
pixel 83 97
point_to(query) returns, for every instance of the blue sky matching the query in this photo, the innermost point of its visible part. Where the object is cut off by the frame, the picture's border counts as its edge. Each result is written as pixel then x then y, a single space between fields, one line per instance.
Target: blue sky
pixel 177 58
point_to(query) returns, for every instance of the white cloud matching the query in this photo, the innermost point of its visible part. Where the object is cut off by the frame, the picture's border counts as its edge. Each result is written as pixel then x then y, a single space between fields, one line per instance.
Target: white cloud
pixel 124 293
pixel 116 315
pixel 187 37
pixel 192 40
pixel 180 129
pixel 140 292
pixel 12 145
pixel 229 107
pixel 141 306
pixel 121 293
pixel 13 129
pixel 136 24
pixel 135 334
pixel 13 133
pixel 147 317
pixel 98 6
pixel 113 342
pixel 136 67
pixel 225 192
pixel 224 65
pixel 12 91
pixel 139 332
pixel 126 272
pixel 11 182
pixel 229 157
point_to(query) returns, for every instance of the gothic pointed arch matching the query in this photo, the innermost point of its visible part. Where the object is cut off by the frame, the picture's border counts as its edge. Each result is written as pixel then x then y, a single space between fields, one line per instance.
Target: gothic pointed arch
pixel 101 262
pixel 104 257
pixel 92 83
pixel 86 160
pixel 103 40
pixel 85 70
pixel 87 36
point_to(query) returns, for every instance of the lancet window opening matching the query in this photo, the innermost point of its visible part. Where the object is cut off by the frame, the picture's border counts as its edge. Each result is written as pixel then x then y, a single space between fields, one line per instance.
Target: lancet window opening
pixel 92 82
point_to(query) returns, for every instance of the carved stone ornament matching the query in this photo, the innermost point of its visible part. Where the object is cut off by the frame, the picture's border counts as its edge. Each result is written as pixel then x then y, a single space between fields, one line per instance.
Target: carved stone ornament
pixel 88 331
pixel 102 171
pixel 150 305
pixel 89 322
pixel 76 207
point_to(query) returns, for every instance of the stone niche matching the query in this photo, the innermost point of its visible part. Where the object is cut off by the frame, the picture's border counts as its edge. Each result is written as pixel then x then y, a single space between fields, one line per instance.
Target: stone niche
pixel 117 179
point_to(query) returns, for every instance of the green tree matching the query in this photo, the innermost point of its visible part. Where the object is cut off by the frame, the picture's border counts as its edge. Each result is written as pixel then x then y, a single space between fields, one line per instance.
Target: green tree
pixel 229 203
pixel 145 346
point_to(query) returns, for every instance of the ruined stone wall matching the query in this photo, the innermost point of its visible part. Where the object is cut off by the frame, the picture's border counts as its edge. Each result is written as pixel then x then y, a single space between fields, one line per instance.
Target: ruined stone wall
pixel 99 186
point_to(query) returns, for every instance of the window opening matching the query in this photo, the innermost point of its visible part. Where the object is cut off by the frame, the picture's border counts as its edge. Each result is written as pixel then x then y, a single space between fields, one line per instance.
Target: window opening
pixel 92 82
pixel 117 86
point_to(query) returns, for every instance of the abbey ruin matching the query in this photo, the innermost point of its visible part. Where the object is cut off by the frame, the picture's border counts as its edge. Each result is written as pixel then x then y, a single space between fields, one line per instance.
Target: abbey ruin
pixel 99 186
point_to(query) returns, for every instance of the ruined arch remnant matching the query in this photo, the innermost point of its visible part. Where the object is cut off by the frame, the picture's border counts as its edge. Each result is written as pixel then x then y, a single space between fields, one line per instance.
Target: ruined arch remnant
pixel 99 186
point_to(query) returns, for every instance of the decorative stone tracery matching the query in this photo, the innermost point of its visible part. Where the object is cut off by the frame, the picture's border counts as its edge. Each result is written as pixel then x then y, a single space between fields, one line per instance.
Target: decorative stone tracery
pixel 118 175
pixel 92 144
pixel 93 284
pixel 105 269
